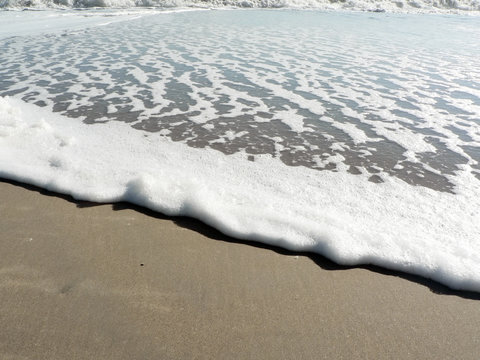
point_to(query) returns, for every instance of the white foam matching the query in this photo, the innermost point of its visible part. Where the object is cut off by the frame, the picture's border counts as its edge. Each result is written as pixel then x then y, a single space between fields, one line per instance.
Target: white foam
pixel 342 216
pixel 417 6
pixel 358 135
pixel 344 84
pixel 292 119
pixel 363 73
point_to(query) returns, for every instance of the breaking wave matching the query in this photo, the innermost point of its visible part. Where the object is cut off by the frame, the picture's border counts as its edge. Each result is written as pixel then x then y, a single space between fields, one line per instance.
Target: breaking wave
pixel 419 6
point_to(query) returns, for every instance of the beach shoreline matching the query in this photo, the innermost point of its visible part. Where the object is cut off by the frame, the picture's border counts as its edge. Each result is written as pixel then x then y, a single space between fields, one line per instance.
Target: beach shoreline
pixel 113 281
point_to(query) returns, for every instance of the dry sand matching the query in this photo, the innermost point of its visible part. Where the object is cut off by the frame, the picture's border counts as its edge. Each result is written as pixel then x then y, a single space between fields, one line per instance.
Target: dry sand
pixel 87 281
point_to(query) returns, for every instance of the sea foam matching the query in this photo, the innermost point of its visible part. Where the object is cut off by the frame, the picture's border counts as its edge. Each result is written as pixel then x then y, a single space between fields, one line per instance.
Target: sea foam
pixel 411 6
pixel 342 216
pixel 351 135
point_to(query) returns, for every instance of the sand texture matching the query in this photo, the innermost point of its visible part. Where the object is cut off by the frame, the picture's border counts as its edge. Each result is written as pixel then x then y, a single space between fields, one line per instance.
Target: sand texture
pixel 87 281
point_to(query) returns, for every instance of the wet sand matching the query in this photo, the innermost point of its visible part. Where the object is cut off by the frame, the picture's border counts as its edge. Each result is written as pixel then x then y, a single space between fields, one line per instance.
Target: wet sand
pixel 87 281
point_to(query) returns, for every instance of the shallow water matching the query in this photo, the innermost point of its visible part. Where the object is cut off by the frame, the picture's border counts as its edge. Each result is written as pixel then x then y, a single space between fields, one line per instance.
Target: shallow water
pixel 362 130
pixel 375 93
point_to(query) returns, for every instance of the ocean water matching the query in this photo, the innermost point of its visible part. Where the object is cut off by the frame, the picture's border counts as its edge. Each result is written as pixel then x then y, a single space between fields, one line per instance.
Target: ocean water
pixel 411 6
pixel 355 135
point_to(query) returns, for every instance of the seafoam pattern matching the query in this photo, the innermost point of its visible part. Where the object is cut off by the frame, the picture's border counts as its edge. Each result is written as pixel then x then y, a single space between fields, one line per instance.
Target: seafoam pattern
pixel 410 6
pixel 396 96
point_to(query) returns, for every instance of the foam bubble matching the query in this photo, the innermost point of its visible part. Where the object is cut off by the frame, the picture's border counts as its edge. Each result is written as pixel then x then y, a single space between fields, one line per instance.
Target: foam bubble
pixel 416 6
pixel 339 215
pixel 342 98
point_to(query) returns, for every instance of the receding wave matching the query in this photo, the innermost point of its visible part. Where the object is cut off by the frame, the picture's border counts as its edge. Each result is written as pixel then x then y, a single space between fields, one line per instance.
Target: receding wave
pixel 362 5
pixel 352 135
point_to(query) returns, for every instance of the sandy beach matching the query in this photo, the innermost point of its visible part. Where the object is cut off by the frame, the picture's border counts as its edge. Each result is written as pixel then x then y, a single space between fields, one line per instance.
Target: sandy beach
pixel 87 281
